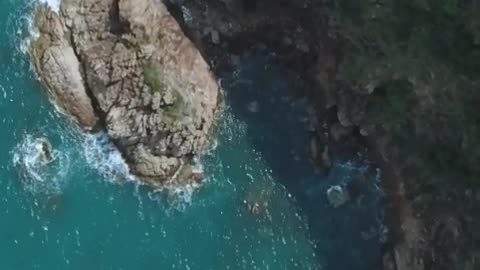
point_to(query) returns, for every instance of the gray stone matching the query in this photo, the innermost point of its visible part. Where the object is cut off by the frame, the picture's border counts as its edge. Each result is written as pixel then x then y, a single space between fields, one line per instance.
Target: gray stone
pixel 337 196
pixel 343 118
pixel 215 37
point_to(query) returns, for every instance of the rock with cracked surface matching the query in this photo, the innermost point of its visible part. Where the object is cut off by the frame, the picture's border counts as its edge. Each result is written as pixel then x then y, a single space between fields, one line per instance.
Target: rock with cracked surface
pixel 128 63
pixel 60 70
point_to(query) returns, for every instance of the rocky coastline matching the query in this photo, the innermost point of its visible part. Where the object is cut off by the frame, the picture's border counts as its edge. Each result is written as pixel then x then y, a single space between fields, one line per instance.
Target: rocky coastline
pixel 304 38
pixel 137 69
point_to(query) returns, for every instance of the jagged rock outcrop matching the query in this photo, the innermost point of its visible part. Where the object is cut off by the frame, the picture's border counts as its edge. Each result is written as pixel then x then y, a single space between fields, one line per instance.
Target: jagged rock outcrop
pixel 128 63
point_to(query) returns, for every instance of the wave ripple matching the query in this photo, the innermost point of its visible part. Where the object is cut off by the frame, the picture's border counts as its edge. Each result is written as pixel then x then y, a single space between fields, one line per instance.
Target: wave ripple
pixel 41 168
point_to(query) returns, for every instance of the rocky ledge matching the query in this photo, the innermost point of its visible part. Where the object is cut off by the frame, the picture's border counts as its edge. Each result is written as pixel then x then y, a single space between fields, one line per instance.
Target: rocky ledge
pixel 126 66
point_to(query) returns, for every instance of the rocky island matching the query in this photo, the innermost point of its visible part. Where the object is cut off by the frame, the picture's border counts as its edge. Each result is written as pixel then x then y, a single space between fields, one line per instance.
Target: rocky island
pixel 126 66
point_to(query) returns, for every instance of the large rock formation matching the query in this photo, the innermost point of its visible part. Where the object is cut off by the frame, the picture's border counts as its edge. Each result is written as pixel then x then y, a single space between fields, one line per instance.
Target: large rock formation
pixel 127 65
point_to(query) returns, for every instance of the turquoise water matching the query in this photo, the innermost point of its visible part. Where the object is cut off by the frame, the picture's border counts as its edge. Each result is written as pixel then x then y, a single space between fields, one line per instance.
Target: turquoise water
pixel 85 212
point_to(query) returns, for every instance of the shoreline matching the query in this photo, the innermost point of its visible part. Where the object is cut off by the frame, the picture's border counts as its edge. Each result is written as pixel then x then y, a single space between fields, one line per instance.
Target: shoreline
pixel 404 247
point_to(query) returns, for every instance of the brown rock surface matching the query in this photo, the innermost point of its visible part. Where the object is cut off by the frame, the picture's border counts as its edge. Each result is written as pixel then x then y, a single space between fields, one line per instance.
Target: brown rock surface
pixel 149 86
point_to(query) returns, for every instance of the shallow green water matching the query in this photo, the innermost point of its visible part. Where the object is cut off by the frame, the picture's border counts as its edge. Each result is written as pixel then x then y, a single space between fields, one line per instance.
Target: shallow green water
pixel 86 212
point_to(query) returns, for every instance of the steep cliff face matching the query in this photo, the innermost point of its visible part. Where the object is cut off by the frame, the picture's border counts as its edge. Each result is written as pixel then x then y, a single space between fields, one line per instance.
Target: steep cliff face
pixel 128 64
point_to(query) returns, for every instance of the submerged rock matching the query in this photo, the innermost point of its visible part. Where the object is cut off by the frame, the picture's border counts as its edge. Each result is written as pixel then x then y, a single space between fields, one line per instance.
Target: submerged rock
pixel 253 107
pixel 128 64
pixel 38 165
pixel 42 154
pixel 337 196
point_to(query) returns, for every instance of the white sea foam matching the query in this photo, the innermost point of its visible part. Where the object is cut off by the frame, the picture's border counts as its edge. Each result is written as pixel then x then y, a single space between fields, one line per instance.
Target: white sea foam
pixel 174 197
pixel 38 172
pixel 53 4
pixel 187 15
pixel 29 32
pixel 103 156
pixel 99 152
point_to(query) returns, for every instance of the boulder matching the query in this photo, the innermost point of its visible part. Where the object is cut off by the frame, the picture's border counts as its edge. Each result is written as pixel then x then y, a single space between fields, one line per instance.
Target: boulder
pixel 42 152
pixel 128 64
pixel 337 196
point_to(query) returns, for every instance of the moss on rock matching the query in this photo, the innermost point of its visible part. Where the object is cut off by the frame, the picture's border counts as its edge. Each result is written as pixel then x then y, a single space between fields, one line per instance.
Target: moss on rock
pixel 152 77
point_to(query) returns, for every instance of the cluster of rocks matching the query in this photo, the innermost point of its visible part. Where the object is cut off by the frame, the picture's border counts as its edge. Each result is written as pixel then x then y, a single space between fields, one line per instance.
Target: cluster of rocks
pixel 127 67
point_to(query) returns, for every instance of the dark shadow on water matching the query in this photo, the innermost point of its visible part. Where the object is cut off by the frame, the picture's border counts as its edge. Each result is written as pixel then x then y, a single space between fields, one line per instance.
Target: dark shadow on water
pixel 260 93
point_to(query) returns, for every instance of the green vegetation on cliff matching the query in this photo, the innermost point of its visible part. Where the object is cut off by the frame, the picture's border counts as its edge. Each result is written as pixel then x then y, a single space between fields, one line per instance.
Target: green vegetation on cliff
pixel 152 77
pixel 175 103
pixel 414 67
pixel 421 59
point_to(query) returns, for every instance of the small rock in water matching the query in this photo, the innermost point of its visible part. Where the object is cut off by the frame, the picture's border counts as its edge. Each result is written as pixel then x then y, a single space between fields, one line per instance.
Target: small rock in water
pixel 215 37
pixel 343 118
pixel 42 154
pixel 253 107
pixel 326 161
pixel 337 196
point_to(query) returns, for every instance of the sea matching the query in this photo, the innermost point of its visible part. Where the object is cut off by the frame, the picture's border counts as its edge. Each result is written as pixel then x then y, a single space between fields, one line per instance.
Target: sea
pixel 262 205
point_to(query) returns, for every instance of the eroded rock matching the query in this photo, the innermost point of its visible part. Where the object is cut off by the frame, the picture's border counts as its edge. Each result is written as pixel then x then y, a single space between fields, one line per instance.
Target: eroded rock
pixel 128 63
pixel 60 69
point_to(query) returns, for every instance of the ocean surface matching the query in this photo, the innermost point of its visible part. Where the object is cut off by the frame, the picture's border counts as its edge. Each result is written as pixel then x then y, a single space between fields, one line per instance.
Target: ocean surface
pixel 85 211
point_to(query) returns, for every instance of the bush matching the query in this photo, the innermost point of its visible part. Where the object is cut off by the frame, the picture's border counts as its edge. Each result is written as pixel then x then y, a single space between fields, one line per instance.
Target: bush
pixel 422 57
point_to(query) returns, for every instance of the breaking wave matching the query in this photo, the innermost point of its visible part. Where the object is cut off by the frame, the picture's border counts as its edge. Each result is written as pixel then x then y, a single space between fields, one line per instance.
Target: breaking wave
pixel 103 156
pixel 26 31
pixel 41 168
pixel 53 4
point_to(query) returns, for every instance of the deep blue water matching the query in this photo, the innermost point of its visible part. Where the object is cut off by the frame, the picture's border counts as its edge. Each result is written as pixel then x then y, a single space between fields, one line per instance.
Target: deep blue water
pixel 85 212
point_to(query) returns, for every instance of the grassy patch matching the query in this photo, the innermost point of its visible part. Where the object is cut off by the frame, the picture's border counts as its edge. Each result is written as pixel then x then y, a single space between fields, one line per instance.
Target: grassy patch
pixel 152 77
pixel 390 102
pixel 176 109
